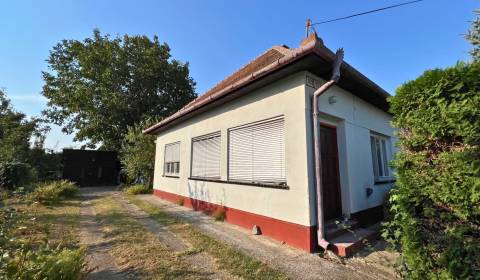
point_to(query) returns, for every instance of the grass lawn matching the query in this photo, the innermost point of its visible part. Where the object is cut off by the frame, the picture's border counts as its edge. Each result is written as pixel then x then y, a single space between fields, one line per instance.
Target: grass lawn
pixel 137 251
pixel 227 257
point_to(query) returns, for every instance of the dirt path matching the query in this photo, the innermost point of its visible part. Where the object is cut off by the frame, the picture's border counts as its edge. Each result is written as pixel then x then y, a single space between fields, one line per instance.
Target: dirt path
pixel 295 263
pixel 199 261
pixel 99 261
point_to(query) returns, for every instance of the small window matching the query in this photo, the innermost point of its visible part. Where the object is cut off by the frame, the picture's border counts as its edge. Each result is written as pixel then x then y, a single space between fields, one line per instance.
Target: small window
pixel 380 157
pixel 257 153
pixel 172 159
pixel 206 156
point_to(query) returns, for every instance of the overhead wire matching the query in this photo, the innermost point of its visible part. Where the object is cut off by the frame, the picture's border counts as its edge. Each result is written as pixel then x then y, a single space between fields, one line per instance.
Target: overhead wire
pixel 366 12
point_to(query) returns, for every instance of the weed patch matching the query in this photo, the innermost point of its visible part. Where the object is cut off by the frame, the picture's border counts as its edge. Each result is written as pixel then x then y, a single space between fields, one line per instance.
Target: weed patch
pixel 138 189
pixel 219 214
pixel 40 242
pixel 180 201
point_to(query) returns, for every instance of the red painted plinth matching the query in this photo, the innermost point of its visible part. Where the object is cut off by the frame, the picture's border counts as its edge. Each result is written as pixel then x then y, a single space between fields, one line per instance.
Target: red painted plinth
pixel 295 235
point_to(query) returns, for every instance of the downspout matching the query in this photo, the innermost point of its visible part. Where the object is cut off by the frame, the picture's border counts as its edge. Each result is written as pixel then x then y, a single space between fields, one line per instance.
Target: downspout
pixel 322 242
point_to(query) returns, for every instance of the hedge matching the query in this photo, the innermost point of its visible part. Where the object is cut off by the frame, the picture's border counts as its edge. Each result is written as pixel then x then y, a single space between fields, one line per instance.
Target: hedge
pixel 435 205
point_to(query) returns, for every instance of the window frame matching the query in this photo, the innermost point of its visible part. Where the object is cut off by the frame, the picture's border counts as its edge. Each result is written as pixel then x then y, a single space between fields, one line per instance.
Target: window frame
pixel 280 185
pixel 381 146
pixel 205 137
pixel 173 165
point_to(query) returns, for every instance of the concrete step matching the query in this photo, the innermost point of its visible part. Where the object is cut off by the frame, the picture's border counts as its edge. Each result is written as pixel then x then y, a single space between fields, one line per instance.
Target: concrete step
pixel 346 244
pixel 335 228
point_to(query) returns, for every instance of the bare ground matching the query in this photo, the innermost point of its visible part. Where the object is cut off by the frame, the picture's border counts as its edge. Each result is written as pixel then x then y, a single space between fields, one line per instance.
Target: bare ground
pixel 100 261
pixel 199 261
pixel 293 263
pixel 101 264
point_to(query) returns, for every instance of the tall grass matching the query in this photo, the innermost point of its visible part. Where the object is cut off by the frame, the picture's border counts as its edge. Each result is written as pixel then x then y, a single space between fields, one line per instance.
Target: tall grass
pixel 53 192
pixel 138 189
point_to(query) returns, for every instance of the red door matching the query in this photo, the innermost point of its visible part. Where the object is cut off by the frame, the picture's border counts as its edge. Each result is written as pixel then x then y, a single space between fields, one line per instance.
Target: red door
pixel 332 199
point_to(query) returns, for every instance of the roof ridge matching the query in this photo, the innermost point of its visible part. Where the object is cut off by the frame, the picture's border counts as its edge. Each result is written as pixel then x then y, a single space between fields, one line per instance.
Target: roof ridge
pixel 283 50
pixel 246 65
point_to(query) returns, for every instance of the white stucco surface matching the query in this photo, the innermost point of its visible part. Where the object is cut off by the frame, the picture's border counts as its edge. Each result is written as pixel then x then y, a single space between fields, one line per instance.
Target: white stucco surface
pixel 283 98
pixel 291 98
pixel 355 120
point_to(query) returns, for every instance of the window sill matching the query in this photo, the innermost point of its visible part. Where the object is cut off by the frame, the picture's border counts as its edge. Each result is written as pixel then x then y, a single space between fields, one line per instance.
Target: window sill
pixel 272 186
pixel 385 181
pixel 170 176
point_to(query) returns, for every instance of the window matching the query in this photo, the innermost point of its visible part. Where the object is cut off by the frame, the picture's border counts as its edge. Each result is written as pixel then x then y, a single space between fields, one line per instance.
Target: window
pixel 380 157
pixel 206 156
pixel 171 165
pixel 257 153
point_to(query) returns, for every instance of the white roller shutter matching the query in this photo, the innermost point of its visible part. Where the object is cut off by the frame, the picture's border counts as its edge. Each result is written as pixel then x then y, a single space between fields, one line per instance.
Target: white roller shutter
pixel 172 159
pixel 206 156
pixel 257 153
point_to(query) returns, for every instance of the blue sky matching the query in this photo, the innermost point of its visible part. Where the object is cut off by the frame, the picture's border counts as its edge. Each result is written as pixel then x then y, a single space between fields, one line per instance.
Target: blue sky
pixel 218 37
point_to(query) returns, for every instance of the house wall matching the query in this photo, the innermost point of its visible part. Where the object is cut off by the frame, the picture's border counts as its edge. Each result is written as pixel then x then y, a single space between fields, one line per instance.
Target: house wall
pixel 281 214
pixel 355 119
pixel 286 215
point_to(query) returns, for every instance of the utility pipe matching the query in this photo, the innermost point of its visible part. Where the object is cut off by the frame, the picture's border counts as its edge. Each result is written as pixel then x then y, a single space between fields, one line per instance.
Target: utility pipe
pixel 322 242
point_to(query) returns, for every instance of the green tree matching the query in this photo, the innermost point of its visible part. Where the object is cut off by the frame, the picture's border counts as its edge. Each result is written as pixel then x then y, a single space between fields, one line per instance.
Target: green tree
pixel 98 87
pixel 138 154
pixel 436 201
pixel 16 132
pixel 47 163
pixel 474 36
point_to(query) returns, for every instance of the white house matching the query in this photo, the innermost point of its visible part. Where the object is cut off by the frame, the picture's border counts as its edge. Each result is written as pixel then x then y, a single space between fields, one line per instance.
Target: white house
pixel 247 146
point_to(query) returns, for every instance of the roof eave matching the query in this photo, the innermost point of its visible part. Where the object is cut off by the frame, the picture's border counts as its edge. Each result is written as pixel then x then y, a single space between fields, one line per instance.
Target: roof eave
pixel 315 47
pixel 296 54
pixel 326 53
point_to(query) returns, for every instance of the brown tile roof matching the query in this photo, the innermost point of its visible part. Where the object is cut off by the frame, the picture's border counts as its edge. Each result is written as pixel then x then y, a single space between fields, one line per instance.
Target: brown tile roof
pixel 270 61
pixel 272 55
pixel 267 58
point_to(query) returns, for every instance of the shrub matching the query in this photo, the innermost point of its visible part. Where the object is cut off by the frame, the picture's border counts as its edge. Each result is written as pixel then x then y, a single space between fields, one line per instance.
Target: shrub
pixel 47 163
pixel 138 189
pixel 3 194
pixel 15 174
pixel 53 192
pixel 137 154
pixel 67 189
pixel 435 205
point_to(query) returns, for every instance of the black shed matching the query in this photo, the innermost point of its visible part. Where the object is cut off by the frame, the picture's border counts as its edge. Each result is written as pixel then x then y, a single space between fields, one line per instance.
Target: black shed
pixel 91 167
